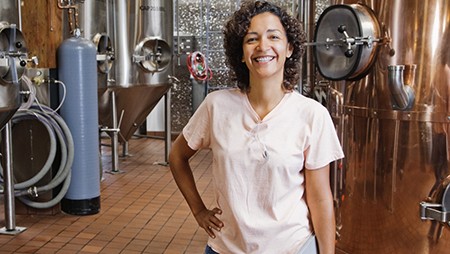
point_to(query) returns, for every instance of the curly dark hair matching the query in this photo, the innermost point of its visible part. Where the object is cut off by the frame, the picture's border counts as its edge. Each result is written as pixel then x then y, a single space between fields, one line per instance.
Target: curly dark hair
pixel 236 28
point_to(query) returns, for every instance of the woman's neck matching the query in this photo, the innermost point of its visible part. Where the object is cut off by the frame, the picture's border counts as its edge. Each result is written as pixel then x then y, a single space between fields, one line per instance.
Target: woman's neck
pixel 264 97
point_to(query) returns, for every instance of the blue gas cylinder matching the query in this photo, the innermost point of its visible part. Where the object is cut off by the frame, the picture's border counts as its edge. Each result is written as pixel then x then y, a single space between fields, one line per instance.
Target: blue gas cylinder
pixel 77 69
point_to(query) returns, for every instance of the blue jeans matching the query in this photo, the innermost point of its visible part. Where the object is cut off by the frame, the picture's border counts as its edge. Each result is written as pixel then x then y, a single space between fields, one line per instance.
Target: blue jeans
pixel 209 250
pixel 310 247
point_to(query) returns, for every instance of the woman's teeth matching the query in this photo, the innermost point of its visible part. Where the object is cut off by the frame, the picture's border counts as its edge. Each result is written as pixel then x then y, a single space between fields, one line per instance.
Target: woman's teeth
pixel 264 59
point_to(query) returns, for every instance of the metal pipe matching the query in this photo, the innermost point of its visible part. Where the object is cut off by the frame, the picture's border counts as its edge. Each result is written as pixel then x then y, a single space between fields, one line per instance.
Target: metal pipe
pixel 305 16
pixel 402 93
pixel 115 131
pixel 10 217
pixel 168 125
pixel 125 149
pixel 177 24
pixel 73 13
pixel 19 12
pixel 366 157
pixel 375 153
pixel 394 164
pixel 115 136
pixel 121 43
pixel 167 128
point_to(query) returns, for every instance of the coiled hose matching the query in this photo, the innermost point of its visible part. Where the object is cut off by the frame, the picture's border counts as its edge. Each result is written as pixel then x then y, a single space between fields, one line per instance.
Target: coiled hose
pixel 198 66
pixel 57 129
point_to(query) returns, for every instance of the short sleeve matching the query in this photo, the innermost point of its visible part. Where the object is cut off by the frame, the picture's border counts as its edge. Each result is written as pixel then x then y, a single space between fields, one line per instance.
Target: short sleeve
pixel 324 146
pixel 197 131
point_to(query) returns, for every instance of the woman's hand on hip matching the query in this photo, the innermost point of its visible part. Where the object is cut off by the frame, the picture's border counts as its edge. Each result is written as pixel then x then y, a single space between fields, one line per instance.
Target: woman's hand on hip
pixel 208 220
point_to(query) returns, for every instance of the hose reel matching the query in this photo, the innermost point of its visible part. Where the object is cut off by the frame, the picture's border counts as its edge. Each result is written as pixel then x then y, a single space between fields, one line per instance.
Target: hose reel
pixel 59 135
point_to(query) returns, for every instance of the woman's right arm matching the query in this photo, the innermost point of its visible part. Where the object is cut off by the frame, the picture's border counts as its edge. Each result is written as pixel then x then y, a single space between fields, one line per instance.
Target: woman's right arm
pixel 182 173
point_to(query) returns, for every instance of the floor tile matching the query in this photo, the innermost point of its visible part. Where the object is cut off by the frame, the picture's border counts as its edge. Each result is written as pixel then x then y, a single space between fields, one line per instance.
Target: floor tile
pixel 142 211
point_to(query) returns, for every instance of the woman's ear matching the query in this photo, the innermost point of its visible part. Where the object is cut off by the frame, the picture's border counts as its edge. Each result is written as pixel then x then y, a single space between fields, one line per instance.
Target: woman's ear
pixel 290 50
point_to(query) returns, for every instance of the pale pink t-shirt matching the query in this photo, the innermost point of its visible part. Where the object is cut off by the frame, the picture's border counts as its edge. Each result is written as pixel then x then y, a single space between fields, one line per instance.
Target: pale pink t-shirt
pixel 257 166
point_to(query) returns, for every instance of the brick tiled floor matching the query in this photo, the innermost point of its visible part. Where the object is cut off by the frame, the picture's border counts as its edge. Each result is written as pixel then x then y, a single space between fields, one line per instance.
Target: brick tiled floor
pixel 142 211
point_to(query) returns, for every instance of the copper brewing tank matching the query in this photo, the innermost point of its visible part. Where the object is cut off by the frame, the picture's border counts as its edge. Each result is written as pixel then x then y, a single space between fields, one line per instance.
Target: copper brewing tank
pixel 397 158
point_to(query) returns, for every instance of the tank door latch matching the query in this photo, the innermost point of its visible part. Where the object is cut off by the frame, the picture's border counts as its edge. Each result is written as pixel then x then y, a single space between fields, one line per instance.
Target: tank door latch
pixel 431 211
pixel 438 209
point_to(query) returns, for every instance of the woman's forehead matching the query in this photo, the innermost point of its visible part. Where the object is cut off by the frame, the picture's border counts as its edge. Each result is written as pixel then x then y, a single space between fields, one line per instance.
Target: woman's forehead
pixel 265 21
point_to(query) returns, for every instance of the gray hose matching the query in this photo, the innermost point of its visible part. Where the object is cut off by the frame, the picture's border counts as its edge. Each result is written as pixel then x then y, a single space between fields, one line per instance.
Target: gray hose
pixel 30 114
pixel 55 125
pixel 67 154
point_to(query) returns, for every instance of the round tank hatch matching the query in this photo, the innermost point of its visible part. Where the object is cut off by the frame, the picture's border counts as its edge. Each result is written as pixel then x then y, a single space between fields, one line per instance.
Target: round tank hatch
pixel 13 54
pixel 153 55
pixel 105 54
pixel 344 41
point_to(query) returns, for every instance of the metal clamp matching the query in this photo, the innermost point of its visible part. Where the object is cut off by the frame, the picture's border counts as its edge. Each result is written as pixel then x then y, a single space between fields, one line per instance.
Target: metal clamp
pixel 114 129
pixel 432 211
pixel 155 56
pixel 439 210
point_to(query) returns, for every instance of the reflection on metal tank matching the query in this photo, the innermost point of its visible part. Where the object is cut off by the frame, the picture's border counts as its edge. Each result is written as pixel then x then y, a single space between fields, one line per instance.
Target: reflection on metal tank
pixel 94 19
pixel 9 11
pixel 13 56
pixel 396 139
pixel 143 38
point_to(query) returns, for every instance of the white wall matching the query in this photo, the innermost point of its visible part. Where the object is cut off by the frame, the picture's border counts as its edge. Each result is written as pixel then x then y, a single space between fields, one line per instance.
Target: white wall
pixel 155 120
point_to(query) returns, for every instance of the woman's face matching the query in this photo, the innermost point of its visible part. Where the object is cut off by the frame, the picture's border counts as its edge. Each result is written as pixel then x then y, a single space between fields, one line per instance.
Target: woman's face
pixel 265 47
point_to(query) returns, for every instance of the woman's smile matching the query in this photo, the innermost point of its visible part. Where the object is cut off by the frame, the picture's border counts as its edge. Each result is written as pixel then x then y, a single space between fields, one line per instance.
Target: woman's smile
pixel 264 59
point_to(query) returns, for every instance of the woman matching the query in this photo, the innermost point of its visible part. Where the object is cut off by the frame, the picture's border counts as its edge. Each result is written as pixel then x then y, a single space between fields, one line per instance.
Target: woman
pixel 271 146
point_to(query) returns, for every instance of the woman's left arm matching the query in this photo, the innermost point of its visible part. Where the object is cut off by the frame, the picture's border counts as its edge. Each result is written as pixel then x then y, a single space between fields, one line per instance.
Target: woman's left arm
pixel 320 203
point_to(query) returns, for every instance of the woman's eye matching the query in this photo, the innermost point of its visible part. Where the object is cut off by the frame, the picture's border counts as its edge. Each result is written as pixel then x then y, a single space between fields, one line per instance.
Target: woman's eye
pixel 251 40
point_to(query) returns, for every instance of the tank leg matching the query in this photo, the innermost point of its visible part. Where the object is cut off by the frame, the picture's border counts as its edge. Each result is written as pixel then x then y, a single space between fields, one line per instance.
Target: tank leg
pixel 167 129
pixel 115 136
pixel 10 217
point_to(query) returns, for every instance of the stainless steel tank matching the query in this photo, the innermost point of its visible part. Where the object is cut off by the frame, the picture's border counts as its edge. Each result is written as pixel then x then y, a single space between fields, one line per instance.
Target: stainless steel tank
pixel 143 41
pixel 13 59
pixel 392 189
pixel 9 12
pixel 95 19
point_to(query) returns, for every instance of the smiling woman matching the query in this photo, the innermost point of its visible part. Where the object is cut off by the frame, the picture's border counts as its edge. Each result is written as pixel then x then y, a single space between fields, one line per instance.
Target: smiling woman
pixel 266 49
pixel 238 27
pixel 271 169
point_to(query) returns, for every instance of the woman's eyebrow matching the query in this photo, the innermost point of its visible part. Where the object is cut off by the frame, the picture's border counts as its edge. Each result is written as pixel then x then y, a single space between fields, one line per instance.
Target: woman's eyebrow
pixel 251 33
pixel 269 31
pixel 274 30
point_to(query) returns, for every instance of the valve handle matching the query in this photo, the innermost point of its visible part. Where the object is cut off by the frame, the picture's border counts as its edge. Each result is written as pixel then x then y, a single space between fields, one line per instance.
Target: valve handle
pixel 342 28
pixel 349 53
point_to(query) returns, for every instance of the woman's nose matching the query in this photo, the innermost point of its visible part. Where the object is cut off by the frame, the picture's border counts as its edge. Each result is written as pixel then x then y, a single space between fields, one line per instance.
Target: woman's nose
pixel 263 45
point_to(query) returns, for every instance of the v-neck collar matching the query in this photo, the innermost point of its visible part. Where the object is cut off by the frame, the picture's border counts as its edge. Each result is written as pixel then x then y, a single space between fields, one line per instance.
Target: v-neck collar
pixel 271 112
